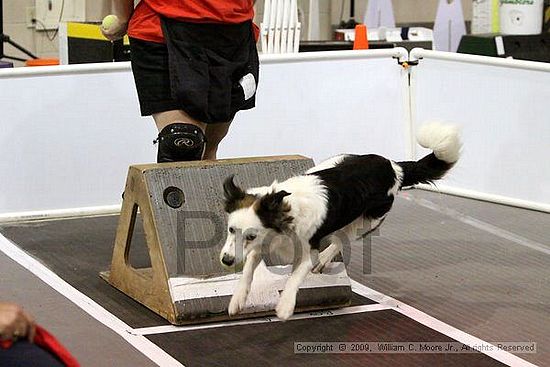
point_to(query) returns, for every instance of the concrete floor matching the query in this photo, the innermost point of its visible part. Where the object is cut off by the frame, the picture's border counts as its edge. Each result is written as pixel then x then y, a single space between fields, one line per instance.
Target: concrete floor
pixel 480 267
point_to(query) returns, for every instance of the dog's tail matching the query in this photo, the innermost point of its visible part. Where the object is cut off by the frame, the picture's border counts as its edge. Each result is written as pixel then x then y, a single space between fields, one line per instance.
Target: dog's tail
pixel 444 141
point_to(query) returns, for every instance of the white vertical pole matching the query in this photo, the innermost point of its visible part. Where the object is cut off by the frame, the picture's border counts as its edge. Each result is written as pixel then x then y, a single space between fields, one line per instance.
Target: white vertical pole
pixel 292 28
pixel 278 26
pixel 297 30
pixel 286 26
pixel 264 27
pixel 313 29
pixel 297 34
pixel 271 33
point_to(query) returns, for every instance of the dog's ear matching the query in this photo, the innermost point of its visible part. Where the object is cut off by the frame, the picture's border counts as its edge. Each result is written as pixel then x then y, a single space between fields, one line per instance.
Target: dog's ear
pixel 274 200
pixel 273 211
pixel 232 191
pixel 233 194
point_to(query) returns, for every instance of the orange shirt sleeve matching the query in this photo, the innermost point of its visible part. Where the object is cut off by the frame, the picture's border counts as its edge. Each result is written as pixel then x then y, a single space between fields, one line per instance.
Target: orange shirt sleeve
pixel 145 22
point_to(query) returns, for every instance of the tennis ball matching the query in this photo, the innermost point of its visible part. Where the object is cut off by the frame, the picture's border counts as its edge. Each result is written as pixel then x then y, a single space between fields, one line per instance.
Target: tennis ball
pixel 109 21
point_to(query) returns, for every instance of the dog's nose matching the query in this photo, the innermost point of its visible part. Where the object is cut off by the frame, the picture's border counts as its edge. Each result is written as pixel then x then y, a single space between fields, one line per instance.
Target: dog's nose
pixel 228 260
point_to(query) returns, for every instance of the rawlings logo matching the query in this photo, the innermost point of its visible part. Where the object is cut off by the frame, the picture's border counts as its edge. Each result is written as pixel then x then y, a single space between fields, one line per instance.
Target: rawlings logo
pixel 179 142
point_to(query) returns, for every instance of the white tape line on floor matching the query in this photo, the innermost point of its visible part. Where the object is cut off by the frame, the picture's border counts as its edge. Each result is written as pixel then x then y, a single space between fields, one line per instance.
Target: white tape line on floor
pixel 497 231
pixel 502 356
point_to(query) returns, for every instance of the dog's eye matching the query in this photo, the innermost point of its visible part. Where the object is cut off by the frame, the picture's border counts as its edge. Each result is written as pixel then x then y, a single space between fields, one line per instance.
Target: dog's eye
pixel 250 237
pixel 231 230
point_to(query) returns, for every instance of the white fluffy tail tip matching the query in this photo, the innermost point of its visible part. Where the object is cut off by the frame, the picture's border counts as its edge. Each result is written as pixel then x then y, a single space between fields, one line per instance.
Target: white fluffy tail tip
pixel 442 139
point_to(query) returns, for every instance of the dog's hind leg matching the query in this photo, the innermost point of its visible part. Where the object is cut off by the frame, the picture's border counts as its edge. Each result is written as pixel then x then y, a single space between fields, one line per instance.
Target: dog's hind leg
pixel 238 300
pixel 326 256
pixel 287 301
pixel 346 236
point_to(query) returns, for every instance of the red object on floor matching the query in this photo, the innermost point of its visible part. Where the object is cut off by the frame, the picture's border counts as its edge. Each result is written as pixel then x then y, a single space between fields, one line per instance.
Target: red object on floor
pixel 49 343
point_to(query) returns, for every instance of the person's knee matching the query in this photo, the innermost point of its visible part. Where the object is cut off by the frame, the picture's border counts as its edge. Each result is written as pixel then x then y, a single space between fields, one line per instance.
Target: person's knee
pixel 180 142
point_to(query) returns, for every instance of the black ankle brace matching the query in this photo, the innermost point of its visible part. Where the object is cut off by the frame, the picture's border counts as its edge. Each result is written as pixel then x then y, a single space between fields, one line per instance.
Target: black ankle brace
pixel 180 142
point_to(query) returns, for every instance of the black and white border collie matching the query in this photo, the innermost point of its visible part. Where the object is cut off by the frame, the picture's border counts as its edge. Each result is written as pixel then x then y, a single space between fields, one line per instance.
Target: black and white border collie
pixel 334 195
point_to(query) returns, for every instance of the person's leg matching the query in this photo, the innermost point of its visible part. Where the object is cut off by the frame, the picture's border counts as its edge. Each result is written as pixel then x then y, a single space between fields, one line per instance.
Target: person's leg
pixel 181 138
pixel 214 135
pixel 166 118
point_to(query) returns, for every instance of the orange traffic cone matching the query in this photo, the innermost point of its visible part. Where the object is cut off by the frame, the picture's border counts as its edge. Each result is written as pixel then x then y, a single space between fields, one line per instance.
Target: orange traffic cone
pixel 361 41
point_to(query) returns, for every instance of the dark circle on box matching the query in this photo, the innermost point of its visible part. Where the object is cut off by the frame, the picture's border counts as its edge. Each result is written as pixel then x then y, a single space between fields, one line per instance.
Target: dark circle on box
pixel 173 197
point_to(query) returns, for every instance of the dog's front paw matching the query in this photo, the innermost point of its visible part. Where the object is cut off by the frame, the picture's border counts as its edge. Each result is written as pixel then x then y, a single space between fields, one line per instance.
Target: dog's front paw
pixel 285 307
pixel 237 302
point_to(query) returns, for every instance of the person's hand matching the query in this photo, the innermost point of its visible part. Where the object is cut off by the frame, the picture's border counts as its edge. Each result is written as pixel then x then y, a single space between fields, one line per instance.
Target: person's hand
pixel 114 27
pixel 15 323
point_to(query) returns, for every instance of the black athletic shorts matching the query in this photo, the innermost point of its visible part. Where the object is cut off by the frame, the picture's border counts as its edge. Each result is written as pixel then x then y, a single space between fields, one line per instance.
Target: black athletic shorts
pixel 210 71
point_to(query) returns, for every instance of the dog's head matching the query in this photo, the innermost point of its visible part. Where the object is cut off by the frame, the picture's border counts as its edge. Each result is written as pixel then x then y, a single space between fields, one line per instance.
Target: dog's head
pixel 251 218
